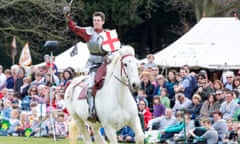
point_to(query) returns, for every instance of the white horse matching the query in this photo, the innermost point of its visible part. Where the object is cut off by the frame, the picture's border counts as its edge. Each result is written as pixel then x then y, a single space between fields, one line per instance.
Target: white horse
pixel 114 102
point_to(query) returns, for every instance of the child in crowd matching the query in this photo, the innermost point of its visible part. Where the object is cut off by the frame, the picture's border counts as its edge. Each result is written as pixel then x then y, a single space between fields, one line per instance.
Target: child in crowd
pixel 24 123
pixel 164 99
pixel 126 134
pixel 158 108
pixel 141 95
pixel 61 126
pixel 233 134
pixel 14 122
pixel 38 124
pixel 60 103
pixel 7 107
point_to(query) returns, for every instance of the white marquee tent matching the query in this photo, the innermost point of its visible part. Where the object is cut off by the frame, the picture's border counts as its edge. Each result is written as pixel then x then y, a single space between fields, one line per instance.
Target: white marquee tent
pixel 213 43
pixel 77 61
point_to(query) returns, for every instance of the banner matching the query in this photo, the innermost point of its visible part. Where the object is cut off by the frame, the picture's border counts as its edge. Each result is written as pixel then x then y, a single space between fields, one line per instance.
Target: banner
pixel 25 57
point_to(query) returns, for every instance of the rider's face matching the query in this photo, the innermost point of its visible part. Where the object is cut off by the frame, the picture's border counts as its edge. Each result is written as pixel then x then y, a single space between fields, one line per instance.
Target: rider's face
pixel 97 22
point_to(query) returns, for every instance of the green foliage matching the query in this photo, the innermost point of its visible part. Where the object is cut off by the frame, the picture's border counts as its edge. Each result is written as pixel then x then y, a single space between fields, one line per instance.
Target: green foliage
pixel 148 25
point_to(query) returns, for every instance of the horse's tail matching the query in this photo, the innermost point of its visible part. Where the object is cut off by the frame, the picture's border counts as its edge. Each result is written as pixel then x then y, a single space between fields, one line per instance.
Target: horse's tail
pixel 73 132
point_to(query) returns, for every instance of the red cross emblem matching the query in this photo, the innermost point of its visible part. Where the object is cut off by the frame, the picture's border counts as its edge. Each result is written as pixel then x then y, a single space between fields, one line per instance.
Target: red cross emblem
pixel 110 41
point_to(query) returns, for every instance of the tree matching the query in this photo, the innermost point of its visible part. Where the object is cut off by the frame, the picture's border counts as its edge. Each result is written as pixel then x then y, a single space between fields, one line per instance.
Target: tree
pixel 208 8
pixel 34 21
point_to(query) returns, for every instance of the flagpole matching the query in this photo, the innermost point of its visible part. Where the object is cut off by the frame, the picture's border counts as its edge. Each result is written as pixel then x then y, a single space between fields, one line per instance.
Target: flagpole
pixel 51 45
pixel 51 96
pixel 13 59
pixel 13 47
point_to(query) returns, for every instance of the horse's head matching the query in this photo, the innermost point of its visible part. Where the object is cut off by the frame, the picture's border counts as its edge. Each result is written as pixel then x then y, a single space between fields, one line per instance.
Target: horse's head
pixel 129 66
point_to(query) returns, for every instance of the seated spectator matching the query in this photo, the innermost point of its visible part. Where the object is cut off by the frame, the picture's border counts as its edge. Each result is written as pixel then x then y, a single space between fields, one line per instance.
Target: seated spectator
pixel 143 110
pixel 38 79
pixel 150 62
pixel 233 132
pixel 141 95
pixel 10 79
pixel 205 90
pixel 24 88
pixel 229 107
pixel 24 123
pixel 182 103
pixel 194 109
pixel 170 84
pixel 161 83
pixel 60 103
pixel 158 108
pixel 7 107
pixel 32 92
pixel 220 98
pixel 14 122
pixel 126 134
pixel 61 126
pixel 219 125
pixel 169 132
pixel 210 135
pixel 229 75
pixel 38 125
pixel 163 121
pixel 209 106
pixel 148 88
pixel 217 85
pixel 164 98
pixel 189 125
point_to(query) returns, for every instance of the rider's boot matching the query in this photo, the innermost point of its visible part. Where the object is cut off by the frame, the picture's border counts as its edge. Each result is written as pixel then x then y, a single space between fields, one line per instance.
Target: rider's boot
pixel 92 111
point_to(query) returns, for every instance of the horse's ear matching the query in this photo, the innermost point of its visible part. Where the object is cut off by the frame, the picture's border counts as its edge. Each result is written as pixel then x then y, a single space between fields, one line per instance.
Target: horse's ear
pixel 126 49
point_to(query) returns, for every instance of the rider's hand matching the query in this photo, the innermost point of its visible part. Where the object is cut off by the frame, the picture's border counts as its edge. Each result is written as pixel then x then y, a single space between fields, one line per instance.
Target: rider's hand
pixel 66 9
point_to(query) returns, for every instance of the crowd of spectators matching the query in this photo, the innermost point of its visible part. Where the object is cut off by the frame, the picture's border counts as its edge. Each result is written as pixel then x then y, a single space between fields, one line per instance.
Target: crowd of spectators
pixel 173 105
pixel 187 105
pixel 26 102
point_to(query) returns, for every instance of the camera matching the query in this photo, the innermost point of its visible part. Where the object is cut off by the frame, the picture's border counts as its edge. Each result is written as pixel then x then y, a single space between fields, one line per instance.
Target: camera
pixel 51 45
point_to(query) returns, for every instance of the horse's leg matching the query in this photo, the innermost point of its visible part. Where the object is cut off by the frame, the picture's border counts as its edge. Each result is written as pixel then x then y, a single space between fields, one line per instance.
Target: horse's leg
pixel 136 127
pixel 111 134
pixel 82 127
pixel 97 136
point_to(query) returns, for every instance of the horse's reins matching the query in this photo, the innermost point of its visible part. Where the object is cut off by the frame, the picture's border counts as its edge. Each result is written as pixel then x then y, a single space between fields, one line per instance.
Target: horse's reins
pixel 123 70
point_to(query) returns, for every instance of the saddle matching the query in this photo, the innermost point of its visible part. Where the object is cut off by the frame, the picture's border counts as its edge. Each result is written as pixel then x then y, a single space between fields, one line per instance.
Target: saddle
pixel 99 78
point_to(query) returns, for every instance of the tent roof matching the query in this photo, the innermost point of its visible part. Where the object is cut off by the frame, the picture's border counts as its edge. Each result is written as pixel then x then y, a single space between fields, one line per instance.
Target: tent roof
pixel 77 61
pixel 212 43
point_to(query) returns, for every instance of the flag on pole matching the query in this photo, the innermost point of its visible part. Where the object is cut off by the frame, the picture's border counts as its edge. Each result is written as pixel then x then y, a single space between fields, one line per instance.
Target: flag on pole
pixel 74 51
pixel 14 49
pixel 14 46
pixel 25 57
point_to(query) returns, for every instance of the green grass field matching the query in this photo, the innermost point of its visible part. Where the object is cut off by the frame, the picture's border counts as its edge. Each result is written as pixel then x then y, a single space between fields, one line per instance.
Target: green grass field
pixel 22 140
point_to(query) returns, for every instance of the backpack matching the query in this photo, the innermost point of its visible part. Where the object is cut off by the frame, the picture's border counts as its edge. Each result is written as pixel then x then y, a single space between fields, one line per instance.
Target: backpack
pixel 193 83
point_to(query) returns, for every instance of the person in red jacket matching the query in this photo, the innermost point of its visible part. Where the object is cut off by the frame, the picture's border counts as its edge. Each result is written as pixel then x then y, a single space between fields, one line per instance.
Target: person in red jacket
pixel 144 110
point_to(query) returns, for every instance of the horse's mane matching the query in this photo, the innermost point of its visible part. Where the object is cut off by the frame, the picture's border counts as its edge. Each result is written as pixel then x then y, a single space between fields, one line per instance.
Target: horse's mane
pixel 122 51
pixel 111 67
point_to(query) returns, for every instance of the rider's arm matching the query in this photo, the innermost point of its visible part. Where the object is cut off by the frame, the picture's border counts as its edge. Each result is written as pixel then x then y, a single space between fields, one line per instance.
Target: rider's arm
pixel 80 31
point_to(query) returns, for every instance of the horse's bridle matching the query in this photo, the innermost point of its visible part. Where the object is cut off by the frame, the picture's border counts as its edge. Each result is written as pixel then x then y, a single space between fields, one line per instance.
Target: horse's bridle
pixel 123 71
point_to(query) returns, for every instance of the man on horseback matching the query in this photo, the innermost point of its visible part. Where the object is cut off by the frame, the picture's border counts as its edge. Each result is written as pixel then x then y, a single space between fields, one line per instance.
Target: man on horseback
pixel 98 55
